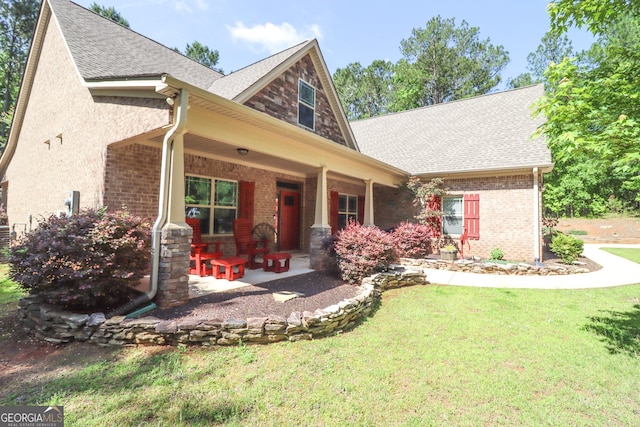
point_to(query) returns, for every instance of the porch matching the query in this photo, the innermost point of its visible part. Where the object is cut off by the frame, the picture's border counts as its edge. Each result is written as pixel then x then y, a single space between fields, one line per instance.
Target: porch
pixel 200 286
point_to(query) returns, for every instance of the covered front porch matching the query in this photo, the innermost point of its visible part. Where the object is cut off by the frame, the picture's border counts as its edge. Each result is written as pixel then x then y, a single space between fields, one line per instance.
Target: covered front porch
pixel 217 138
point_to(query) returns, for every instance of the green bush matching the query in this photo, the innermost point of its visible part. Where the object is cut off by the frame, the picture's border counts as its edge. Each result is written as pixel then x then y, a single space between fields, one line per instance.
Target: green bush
pixel 362 251
pixel 567 247
pixel 412 240
pixel 497 254
pixel 89 260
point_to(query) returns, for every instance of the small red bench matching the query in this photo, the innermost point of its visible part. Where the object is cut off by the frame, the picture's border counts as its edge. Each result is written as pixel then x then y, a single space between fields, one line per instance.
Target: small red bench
pixel 230 265
pixel 275 264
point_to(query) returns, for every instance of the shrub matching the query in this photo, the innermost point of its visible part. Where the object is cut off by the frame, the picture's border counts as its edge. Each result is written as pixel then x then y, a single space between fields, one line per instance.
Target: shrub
pixel 497 254
pixel 84 261
pixel 567 247
pixel 362 251
pixel 411 240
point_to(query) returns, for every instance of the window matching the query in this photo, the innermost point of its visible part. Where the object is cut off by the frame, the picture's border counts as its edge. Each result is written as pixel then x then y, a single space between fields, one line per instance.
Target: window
pixel 306 104
pixel 347 209
pixel 452 219
pixel 213 201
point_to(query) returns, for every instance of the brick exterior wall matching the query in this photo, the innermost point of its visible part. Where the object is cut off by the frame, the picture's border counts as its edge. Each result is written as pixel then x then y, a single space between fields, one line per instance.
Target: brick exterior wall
pixel 506 212
pixel 280 99
pixel 40 174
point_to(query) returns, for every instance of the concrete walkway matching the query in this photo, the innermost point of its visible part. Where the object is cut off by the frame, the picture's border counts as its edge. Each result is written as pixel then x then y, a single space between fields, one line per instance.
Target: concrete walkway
pixel 616 271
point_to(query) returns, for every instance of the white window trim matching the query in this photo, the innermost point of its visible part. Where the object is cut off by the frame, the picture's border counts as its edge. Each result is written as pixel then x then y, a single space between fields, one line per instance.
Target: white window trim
pixel 313 107
pixel 451 196
pixel 213 206
pixel 347 212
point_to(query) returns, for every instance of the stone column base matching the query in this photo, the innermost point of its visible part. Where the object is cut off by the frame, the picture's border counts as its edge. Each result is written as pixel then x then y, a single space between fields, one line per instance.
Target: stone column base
pixel 173 272
pixel 319 258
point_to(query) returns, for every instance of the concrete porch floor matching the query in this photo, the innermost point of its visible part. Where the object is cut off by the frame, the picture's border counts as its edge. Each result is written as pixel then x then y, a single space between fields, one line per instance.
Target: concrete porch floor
pixel 199 286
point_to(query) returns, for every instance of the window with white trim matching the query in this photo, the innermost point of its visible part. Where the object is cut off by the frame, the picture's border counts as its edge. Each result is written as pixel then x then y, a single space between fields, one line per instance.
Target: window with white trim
pixel 453 215
pixel 213 201
pixel 306 104
pixel 347 209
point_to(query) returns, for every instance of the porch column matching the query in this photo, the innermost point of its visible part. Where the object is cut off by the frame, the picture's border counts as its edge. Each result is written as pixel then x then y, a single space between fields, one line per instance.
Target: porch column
pixel 368 204
pixel 322 208
pixel 321 229
pixel 173 270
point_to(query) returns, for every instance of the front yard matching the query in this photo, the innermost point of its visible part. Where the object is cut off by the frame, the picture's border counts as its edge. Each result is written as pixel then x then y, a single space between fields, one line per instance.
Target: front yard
pixel 432 355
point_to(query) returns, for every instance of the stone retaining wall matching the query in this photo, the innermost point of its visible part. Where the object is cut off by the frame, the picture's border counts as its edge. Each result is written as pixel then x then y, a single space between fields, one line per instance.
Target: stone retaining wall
pixel 521 269
pixel 59 326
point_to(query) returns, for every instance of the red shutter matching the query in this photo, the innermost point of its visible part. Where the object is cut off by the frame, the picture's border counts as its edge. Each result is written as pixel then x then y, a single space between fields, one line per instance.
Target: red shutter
pixel 361 209
pixel 245 202
pixel 333 211
pixel 472 215
pixel 434 204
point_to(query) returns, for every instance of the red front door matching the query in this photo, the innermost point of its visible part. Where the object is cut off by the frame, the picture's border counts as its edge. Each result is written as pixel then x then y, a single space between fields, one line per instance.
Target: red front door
pixel 289 233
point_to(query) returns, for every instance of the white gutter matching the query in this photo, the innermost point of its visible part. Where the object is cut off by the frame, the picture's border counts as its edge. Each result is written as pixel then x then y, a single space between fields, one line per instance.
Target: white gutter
pixel 163 203
pixel 536 217
pixel 163 199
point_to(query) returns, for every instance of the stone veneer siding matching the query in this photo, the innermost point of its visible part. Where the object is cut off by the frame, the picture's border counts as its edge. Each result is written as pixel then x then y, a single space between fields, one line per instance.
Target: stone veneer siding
pixel 60 326
pixel 506 219
pixel 280 99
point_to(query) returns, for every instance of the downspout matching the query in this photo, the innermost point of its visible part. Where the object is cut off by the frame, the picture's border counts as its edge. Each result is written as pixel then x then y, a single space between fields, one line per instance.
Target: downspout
pixel 536 217
pixel 163 205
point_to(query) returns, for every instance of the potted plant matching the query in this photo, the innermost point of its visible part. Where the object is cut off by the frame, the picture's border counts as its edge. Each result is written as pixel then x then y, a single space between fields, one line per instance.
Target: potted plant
pixel 449 253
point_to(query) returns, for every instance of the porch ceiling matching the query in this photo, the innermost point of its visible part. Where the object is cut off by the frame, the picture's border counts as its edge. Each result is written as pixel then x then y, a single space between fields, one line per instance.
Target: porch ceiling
pixel 210 148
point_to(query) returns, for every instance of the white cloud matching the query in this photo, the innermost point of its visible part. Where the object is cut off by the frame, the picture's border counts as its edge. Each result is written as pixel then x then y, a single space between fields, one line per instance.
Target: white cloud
pixel 272 38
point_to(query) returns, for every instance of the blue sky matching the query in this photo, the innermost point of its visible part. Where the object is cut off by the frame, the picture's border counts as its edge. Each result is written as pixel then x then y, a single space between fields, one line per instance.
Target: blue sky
pixel 245 31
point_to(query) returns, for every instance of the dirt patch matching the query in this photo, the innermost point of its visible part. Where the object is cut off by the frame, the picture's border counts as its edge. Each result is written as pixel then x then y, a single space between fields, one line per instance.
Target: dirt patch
pixel 27 362
pixel 603 230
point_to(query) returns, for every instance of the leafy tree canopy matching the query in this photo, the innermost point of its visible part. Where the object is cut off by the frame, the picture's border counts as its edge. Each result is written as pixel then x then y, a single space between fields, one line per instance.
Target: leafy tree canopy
pixel 443 62
pixel 365 91
pixel 17 21
pixel 203 54
pixel 596 15
pixel 553 48
pixel 593 116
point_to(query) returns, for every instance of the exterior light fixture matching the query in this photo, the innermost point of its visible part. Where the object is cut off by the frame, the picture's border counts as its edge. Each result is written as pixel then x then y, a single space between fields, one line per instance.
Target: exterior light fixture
pixel 243 151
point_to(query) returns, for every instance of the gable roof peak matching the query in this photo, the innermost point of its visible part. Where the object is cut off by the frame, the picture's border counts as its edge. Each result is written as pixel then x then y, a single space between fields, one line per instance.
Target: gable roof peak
pixel 242 83
pixel 103 49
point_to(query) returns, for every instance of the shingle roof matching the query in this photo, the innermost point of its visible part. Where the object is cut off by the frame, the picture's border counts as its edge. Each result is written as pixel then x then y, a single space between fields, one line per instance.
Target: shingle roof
pixel 103 49
pixel 482 133
pixel 232 85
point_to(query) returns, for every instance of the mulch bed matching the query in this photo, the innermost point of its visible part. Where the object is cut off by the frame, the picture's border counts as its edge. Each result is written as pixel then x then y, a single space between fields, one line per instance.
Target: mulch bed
pixel 549 258
pixel 320 289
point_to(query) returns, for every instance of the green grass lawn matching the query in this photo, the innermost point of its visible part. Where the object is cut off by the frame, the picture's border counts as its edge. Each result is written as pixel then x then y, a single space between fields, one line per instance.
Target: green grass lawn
pixel 432 355
pixel 631 254
pixel 9 292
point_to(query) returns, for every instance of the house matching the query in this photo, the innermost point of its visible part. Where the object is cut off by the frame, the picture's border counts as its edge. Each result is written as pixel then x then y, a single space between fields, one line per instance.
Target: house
pixel 106 116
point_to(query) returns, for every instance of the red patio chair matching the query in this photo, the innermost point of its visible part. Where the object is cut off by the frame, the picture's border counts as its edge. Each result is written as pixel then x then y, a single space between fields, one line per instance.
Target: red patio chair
pixel 200 252
pixel 246 244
